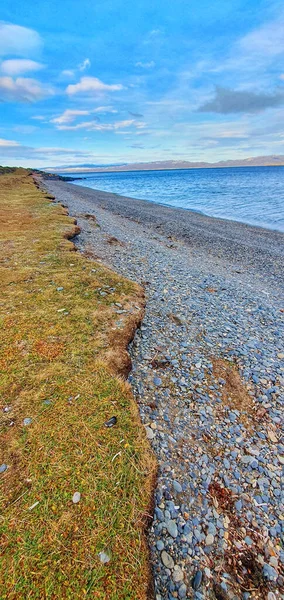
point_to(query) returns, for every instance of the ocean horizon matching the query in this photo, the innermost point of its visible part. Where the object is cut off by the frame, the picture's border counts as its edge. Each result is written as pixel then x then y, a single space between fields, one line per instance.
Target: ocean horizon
pixel 251 195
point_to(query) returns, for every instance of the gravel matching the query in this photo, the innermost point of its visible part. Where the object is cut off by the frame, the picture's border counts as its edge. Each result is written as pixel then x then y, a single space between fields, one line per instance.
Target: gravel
pixel 208 378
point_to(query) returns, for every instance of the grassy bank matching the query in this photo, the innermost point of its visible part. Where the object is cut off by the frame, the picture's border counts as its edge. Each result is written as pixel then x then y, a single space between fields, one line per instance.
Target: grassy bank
pixel 62 343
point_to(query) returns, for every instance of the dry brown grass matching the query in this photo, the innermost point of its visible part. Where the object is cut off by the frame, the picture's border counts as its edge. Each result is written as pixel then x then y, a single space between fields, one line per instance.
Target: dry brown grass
pixel 58 352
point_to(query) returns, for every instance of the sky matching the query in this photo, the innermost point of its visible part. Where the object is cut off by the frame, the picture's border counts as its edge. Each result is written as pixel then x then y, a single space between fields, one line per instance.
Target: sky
pixel 107 82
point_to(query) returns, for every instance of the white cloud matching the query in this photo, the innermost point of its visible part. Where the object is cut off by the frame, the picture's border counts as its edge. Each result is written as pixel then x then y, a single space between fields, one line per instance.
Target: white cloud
pixel 95 126
pixel 68 116
pixel 8 143
pixel 22 90
pixel 145 65
pixel 267 40
pixel 38 118
pixel 251 54
pixel 85 65
pixel 18 66
pixel 104 109
pixel 67 73
pixel 17 40
pixel 90 85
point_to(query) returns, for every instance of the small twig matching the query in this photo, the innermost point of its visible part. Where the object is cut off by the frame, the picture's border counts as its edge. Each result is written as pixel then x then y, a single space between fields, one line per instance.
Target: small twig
pixel 117 454
pixel 19 498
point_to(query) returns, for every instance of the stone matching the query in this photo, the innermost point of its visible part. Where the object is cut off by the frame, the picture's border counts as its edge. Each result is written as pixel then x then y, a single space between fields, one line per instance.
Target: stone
pixel 76 497
pixel 178 574
pixel 182 591
pixel 272 436
pixel 248 540
pixel 149 433
pixel 27 421
pixel 111 422
pixel 269 573
pixel 209 540
pixel 104 557
pixel 160 545
pixel 197 580
pixel 167 560
pixel 172 528
pixel 3 468
pixel 177 487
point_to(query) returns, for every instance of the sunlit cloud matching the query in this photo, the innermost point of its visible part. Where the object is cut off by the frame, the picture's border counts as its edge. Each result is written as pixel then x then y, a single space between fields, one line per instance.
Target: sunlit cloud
pixel 18 41
pixel 67 73
pixel 8 143
pixel 91 85
pixel 19 66
pixel 22 90
pixel 69 116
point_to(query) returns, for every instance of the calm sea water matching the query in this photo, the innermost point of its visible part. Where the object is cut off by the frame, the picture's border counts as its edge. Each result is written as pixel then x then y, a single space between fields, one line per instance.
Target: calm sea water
pixel 253 195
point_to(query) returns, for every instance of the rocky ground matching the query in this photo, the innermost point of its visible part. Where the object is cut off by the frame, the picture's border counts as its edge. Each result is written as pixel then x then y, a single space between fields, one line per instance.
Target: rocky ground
pixel 208 376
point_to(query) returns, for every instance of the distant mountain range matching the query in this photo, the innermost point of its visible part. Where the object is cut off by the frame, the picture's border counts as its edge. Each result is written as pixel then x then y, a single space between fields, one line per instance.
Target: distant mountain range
pixel 258 161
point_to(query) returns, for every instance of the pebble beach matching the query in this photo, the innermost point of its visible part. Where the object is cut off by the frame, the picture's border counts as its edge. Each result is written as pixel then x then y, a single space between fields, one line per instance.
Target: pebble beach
pixel 208 377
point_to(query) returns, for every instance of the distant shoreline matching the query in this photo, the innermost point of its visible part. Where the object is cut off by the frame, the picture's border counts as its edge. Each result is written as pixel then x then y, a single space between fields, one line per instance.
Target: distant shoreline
pixel 129 170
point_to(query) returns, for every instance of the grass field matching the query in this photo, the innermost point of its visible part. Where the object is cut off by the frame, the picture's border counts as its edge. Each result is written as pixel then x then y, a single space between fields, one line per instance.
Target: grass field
pixel 62 346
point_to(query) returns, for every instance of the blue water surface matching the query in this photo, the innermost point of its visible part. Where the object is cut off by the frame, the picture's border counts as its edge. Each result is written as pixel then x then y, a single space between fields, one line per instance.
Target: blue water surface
pixel 253 195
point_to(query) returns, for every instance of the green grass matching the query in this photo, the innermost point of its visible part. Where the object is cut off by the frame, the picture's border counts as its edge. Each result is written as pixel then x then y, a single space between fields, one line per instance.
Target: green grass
pixel 58 352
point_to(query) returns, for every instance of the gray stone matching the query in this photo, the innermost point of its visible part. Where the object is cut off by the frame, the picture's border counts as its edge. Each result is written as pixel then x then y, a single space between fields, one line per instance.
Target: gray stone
pixel 178 574
pixel 149 433
pixel 209 540
pixel 167 560
pixel 172 528
pixel 160 545
pixel 182 591
pixel 177 487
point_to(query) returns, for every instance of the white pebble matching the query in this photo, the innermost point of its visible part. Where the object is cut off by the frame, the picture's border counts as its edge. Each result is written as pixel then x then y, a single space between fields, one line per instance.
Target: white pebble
pixel 76 498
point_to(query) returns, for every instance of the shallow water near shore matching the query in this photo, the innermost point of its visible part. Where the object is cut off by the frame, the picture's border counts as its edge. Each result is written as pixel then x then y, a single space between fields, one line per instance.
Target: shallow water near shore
pixel 253 195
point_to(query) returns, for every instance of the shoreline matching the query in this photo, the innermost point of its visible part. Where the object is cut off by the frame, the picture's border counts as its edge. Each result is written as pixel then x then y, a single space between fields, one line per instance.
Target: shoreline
pixel 191 210
pixel 214 238
pixel 207 377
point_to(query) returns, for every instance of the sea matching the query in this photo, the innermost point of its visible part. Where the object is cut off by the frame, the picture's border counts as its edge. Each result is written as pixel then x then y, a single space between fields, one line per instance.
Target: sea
pixel 253 195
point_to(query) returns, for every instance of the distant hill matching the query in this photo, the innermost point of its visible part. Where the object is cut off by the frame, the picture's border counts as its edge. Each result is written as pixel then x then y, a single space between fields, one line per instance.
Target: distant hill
pixel 258 161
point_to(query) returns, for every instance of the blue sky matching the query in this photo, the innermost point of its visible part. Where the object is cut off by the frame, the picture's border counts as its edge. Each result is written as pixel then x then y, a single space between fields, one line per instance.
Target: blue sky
pixel 107 81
